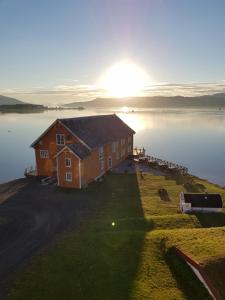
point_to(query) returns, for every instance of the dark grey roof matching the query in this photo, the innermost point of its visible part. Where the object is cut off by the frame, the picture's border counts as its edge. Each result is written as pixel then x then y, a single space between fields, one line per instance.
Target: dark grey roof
pixel 80 150
pixel 98 130
pixel 204 200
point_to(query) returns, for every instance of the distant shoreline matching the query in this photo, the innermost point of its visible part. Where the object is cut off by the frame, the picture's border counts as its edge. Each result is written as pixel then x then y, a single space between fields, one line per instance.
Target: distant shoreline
pixel 32 108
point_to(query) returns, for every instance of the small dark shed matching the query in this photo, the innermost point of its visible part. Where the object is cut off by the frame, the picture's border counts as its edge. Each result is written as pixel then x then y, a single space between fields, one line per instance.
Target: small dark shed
pixel 208 202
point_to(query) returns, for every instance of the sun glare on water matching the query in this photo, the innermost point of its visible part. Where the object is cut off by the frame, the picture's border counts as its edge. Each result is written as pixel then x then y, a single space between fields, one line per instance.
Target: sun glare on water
pixel 124 79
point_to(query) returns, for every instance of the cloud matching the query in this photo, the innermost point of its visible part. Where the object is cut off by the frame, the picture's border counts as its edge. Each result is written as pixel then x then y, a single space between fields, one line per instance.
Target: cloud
pixel 74 91
pixel 185 89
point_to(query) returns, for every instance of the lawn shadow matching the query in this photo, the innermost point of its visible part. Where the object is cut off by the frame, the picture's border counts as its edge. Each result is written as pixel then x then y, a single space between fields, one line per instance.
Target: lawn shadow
pixel 100 257
pixel 215 269
pixel 33 216
pixel 119 222
pixel 186 280
pixel 211 219
pixel 187 181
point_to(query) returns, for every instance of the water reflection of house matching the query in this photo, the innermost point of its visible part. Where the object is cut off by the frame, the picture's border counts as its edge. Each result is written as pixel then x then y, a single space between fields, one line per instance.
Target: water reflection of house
pixel 80 150
pixel 200 202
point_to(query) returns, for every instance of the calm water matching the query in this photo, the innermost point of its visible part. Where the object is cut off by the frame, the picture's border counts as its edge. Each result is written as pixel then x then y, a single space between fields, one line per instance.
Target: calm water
pixel 193 138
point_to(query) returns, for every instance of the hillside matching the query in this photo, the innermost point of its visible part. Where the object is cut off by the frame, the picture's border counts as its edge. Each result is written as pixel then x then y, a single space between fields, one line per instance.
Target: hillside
pixel 216 100
pixel 10 101
pixel 11 105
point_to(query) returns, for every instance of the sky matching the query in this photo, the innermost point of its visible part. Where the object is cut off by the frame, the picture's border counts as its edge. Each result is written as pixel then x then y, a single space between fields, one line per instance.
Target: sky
pixel 55 51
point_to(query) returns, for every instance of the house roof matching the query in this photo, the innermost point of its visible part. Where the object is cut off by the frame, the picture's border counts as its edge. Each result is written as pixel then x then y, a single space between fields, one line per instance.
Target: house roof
pixel 203 200
pixel 97 130
pixel 79 150
pixel 94 131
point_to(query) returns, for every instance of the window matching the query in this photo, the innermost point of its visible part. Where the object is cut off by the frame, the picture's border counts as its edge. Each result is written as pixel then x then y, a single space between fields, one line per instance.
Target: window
pixel 122 142
pixel 69 176
pixel 43 153
pixel 101 153
pixel 60 139
pixel 122 152
pixel 68 162
pixel 117 155
pixel 129 148
pixel 110 162
pixel 102 164
pixel 115 146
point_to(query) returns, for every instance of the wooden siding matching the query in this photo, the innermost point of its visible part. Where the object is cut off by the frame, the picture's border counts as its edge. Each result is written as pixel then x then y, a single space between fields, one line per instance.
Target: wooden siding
pixel 62 170
pixel 47 166
pixel 91 165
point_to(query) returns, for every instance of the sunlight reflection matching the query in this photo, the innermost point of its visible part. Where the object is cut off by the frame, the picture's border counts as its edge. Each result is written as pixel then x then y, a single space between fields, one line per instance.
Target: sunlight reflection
pixel 136 122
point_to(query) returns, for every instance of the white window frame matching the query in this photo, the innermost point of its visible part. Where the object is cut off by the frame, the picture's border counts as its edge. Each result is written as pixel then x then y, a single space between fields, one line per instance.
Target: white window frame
pixel 60 139
pixel 101 152
pixel 129 147
pixel 117 155
pixel 110 160
pixel 102 164
pixel 44 154
pixel 68 162
pixel 69 176
pixel 115 146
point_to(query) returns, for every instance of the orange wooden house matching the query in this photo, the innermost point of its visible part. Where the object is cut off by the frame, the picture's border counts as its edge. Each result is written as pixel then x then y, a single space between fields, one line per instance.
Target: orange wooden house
pixel 80 150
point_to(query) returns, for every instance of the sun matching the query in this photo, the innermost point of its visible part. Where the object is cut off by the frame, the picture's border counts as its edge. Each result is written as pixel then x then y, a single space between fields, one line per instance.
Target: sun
pixel 124 79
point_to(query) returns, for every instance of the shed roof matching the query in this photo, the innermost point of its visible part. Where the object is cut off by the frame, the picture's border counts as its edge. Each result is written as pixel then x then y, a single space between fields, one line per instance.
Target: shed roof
pixel 98 130
pixel 204 200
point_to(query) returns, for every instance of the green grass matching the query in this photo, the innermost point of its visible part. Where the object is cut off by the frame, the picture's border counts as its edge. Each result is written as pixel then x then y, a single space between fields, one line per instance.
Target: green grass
pixel 151 202
pixel 2 221
pixel 131 260
pixel 87 266
pixel 206 246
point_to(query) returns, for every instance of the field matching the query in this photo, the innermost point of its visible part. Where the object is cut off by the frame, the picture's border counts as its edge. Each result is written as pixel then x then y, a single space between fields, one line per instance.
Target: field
pixel 2 221
pixel 122 248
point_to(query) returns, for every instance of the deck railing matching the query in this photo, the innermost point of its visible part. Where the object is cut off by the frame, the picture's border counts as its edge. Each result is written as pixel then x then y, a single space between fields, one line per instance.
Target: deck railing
pixel 140 154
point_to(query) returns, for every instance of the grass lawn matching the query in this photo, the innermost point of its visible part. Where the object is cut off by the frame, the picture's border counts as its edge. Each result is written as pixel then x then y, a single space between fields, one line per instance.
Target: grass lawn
pixel 2 221
pixel 120 250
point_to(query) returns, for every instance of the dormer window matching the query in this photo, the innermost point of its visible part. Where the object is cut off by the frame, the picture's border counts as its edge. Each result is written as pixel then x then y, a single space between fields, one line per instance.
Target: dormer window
pixel 60 139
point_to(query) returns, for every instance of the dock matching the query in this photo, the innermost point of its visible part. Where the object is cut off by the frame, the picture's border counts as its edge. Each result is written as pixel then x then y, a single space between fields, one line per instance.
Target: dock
pixel 139 155
pixel 30 172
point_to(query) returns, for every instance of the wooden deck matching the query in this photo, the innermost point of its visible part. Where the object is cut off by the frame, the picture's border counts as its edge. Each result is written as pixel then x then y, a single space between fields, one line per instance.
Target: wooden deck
pixel 30 172
pixel 141 156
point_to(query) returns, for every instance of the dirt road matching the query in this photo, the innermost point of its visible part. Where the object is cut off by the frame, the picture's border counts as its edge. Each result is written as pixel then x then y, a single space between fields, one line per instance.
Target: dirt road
pixel 32 215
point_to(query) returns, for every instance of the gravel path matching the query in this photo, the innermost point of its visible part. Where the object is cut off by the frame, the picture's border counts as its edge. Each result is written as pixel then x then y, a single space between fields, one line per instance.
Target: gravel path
pixel 32 215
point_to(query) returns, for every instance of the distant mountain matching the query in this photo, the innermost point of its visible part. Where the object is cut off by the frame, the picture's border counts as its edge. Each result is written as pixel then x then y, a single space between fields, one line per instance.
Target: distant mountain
pixel 10 101
pixel 216 100
pixel 8 105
